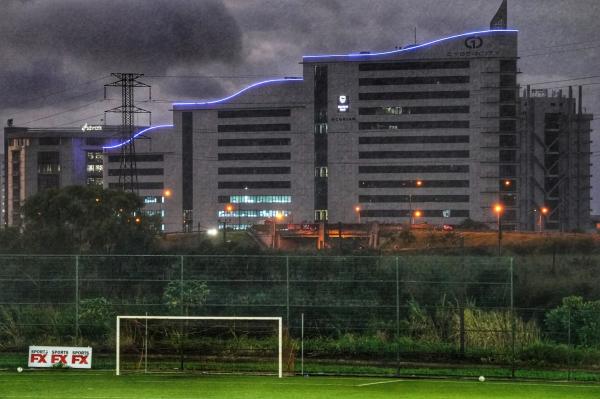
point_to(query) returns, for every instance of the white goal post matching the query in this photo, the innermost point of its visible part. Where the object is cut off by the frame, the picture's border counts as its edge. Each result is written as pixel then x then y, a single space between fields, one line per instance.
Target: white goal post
pixel 277 319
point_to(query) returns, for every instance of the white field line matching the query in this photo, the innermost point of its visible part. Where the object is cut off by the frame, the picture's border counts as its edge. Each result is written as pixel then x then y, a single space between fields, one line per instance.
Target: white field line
pixel 380 382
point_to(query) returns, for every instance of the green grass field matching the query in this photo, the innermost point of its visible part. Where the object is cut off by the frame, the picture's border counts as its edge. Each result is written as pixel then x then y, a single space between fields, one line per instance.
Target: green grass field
pixel 105 385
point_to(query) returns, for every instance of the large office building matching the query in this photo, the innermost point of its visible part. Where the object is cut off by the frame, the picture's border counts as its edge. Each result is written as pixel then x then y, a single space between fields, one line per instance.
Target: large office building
pixel 431 127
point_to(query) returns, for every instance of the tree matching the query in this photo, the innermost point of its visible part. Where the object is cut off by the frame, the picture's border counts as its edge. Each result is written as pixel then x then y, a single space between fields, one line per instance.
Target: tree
pixel 576 320
pixel 180 296
pixel 87 219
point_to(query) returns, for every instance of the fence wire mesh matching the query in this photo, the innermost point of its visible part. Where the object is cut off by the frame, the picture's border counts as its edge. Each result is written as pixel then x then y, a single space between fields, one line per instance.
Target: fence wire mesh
pixel 422 315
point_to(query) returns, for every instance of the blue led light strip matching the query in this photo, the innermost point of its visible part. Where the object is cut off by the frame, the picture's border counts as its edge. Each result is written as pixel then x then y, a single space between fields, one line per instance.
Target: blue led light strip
pixel 252 86
pixel 109 147
pixel 408 48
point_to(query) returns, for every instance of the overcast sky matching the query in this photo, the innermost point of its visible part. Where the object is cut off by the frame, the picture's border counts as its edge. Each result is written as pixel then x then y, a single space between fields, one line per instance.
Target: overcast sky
pixel 58 54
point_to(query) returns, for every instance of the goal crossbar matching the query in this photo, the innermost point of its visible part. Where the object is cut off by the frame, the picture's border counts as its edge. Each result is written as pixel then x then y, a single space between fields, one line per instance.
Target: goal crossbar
pixel 258 318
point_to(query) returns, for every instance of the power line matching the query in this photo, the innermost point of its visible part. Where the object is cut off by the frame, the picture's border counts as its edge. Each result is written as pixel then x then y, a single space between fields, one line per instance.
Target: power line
pixel 564 80
pixel 45 96
pixel 559 51
pixel 63 112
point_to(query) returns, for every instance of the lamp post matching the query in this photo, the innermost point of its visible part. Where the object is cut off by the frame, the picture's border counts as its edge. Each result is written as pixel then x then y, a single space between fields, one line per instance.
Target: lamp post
pixel 278 217
pixel 418 184
pixel 498 209
pixel 357 210
pixel 165 194
pixel 228 209
pixel 242 199
pixel 543 212
pixel 416 214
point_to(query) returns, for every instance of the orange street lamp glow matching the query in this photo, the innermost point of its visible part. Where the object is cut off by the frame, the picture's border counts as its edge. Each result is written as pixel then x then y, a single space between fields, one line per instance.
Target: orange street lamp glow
pixel 278 216
pixel 138 219
pixel 418 214
pixel 507 183
pixel 229 208
pixel 419 183
pixel 167 193
pixel 498 209
pixel 544 210
pixel 357 209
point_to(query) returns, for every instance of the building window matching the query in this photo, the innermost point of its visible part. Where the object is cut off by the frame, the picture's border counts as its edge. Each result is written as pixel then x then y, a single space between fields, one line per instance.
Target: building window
pixel 48 162
pixel 413 169
pixel 267 127
pixel 49 141
pixel 413 139
pixel 254 156
pixel 411 183
pixel 404 110
pixel 254 113
pixel 321 171
pixel 414 125
pixel 321 215
pixel 257 170
pixel 412 154
pixel 410 80
pixel 320 128
pixel 414 95
pixel 255 199
pixel 253 142
pixel 412 65
pixel 254 184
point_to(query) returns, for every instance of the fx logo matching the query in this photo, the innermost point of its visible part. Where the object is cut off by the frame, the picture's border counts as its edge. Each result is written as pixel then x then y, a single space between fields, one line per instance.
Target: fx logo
pixel 81 359
pixel 473 42
pixel 38 357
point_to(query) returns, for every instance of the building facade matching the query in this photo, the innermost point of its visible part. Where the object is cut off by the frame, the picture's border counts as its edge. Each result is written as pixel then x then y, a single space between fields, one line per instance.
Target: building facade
pixel 385 134
pixel 554 160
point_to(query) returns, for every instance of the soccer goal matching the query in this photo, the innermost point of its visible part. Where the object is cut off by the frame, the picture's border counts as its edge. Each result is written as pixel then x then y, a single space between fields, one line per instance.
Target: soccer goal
pixel 199 343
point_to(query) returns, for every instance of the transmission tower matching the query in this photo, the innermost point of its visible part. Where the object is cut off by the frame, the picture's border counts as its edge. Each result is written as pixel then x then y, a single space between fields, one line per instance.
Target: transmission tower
pixel 128 177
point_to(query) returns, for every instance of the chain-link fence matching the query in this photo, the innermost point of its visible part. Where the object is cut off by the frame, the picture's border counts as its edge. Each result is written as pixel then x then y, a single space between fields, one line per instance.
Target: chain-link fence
pixel 422 315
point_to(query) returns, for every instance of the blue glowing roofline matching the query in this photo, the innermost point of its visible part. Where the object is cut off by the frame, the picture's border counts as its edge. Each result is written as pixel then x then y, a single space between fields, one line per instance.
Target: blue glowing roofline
pixel 252 86
pixel 110 147
pixel 398 51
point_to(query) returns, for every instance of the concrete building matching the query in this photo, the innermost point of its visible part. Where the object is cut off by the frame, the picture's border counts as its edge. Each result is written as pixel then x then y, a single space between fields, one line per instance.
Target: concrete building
pixel 554 160
pixel 42 158
pixel 385 132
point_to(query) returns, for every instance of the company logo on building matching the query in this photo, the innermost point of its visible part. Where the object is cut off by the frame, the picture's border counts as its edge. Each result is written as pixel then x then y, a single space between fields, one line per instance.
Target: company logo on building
pixel 343 103
pixel 473 42
pixel 90 128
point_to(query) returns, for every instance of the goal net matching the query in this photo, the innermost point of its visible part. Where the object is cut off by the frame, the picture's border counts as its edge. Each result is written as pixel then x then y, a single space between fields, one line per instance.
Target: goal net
pixel 203 344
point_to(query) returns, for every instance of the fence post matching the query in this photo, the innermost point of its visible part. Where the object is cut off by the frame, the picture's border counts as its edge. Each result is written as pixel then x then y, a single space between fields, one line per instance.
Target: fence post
pixel 569 344
pixel 512 313
pixel 397 316
pixel 76 299
pixel 181 285
pixel 287 292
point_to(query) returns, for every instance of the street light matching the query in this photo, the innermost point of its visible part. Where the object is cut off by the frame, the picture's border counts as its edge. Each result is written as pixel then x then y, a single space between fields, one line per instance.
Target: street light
pixel 357 210
pixel 543 212
pixel 228 209
pixel 415 215
pixel 278 218
pixel 165 194
pixel 498 210
pixel 242 199
pixel 418 183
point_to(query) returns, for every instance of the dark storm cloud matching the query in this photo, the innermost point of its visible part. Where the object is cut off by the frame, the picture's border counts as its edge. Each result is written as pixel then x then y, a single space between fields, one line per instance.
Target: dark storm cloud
pixel 54 42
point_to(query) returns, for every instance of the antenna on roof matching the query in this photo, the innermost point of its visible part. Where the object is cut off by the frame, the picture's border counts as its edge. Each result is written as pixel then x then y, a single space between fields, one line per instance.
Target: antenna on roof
pixel 415 35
